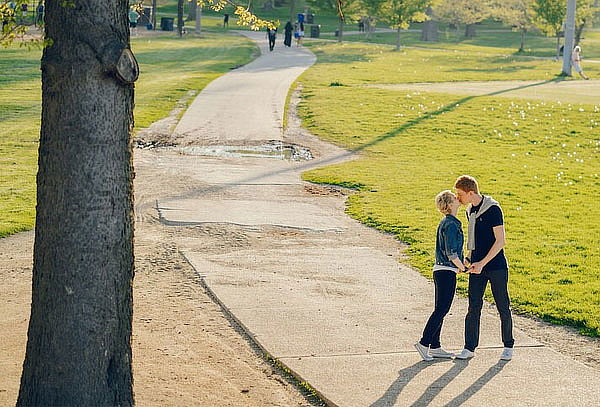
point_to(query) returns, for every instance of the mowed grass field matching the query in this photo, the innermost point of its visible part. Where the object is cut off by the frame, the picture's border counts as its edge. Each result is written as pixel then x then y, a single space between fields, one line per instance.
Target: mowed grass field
pixel 169 66
pixel 539 158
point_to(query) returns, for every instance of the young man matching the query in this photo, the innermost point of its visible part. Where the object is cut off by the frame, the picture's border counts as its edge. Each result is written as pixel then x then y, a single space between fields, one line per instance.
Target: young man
pixel 485 254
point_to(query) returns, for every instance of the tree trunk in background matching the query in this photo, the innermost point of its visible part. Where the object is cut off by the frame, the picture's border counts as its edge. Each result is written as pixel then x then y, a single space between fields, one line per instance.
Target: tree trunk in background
pixel 398 39
pixel 578 32
pixel 557 47
pixel 429 31
pixel 180 17
pixel 198 19
pixel 78 347
pixel 522 46
pixel 192 10
pixel 341 30
pixel 154 14
pixel 292 11
pixel 470 31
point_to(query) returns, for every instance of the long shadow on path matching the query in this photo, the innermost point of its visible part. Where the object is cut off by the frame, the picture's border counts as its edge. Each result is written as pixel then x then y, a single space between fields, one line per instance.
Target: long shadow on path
pixel 407 374
pixel 477 384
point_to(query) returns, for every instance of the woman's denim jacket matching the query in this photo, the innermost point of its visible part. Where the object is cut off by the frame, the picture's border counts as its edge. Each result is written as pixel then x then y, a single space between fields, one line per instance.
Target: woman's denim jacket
pixel 449 243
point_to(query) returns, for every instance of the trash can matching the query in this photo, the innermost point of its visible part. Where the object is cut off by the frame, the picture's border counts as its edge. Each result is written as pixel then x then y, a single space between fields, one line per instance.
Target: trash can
pixel 315 31
pixel 310 18
pixel 166 23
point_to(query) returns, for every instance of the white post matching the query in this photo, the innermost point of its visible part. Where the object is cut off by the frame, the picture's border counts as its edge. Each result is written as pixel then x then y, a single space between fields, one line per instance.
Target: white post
pixel 569 37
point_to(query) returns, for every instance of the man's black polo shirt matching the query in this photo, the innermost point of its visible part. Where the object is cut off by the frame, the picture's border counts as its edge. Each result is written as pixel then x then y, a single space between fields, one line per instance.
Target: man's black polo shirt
pixel 484 237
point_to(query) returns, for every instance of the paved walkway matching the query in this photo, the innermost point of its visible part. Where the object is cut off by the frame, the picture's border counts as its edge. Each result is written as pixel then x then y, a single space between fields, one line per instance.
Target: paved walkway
pixel 323 294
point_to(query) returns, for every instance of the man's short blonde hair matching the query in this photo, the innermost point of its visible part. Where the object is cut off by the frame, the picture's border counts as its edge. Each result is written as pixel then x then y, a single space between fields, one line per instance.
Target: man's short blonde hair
pixel 467 184
pixel 444 200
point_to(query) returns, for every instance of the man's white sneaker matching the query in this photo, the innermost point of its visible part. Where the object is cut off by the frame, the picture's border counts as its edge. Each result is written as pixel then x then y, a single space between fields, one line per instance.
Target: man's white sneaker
pixel 423 351
pixel 440 353
pixel 507 354
pixel 465 354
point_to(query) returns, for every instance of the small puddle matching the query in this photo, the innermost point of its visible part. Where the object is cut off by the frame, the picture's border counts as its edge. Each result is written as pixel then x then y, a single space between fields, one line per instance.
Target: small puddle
pixel 275 149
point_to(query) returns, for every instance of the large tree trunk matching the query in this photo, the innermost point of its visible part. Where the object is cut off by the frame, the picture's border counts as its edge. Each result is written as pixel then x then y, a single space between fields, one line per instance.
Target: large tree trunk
pixel 180 17
pixel 78 347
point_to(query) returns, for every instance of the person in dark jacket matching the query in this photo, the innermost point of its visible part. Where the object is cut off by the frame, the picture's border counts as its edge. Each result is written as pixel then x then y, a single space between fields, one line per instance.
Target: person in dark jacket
pixel 271 35
pixel 448 261
pixel 485 255
pixel 289 29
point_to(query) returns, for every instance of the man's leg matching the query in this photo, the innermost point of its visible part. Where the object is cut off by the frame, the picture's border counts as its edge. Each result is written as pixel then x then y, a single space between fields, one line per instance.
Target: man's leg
pixel 499 283
pixel 477 284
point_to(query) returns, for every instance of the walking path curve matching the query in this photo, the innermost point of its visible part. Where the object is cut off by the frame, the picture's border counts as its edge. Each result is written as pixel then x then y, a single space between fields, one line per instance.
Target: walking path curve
pixel 321 293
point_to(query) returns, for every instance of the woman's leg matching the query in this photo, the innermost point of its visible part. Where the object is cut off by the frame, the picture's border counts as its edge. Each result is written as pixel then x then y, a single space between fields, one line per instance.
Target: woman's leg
pixel 445 285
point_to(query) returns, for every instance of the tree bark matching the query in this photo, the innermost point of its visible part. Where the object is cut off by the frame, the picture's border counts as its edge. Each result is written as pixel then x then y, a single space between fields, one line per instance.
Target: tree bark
pixel 398 39
pixel 292 11
pixel 78 347
pixel 180 17
pixel 429 32
pixel 192 10
pixel 341 30
pixel 522 47
pixel 154 14
pixel 470 31
pixel 198 19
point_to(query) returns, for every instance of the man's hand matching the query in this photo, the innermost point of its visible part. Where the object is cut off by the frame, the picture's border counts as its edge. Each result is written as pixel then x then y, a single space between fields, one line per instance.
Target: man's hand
pixel 476 267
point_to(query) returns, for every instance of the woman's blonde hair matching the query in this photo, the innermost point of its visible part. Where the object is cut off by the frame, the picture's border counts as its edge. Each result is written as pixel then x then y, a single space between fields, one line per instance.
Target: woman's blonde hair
pixel 444 200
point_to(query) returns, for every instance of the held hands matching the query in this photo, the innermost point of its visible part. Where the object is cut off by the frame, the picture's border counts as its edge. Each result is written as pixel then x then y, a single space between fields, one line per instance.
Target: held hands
pixel 476 267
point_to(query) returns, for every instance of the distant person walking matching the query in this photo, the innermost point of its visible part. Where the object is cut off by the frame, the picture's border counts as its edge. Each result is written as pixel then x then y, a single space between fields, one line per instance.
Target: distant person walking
pixel 485 246
pixel 271 35
pixel 134 16
pixel 299 34
pixel 39 17
pixel 225 20
pixel 289 28
pixel 576 62
pixel 448 261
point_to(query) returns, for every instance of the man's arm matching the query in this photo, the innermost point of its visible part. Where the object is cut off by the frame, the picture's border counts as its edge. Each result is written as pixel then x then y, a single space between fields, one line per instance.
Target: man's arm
pixel 494 250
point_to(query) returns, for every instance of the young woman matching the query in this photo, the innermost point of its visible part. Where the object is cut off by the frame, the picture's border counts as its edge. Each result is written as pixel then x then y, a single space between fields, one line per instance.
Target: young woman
pixel 576 62
pixel 448 261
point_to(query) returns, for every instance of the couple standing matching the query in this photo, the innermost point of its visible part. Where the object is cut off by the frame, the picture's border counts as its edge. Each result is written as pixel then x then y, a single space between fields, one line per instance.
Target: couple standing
pixel 485 261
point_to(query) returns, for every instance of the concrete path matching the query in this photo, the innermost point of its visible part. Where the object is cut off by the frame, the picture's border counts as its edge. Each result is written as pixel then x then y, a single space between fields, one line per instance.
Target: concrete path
pixel 247 104
pixel 323 294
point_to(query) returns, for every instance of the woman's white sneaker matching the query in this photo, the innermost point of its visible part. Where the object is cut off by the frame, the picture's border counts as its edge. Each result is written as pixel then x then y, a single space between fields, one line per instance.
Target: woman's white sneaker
pixel 507 354
pixel 465 354
pixel 440 353
pixel 423 351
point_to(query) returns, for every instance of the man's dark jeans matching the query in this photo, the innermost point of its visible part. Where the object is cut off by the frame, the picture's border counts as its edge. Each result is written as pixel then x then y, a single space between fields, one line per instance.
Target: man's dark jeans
pixel 477 283
pixel 445 285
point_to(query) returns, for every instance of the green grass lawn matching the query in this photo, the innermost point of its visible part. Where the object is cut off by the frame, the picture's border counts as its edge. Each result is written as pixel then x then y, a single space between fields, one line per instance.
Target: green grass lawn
pixel 486 42
pixel 169 68
pixel 539 159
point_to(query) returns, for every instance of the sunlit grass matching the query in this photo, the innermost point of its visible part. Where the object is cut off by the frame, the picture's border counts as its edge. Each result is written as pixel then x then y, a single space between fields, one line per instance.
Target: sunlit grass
pixel 170 67
pixel 538 158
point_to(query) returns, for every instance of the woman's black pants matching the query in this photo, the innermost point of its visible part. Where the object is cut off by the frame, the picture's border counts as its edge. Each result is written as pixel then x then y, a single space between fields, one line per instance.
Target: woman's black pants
pixel 445 286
